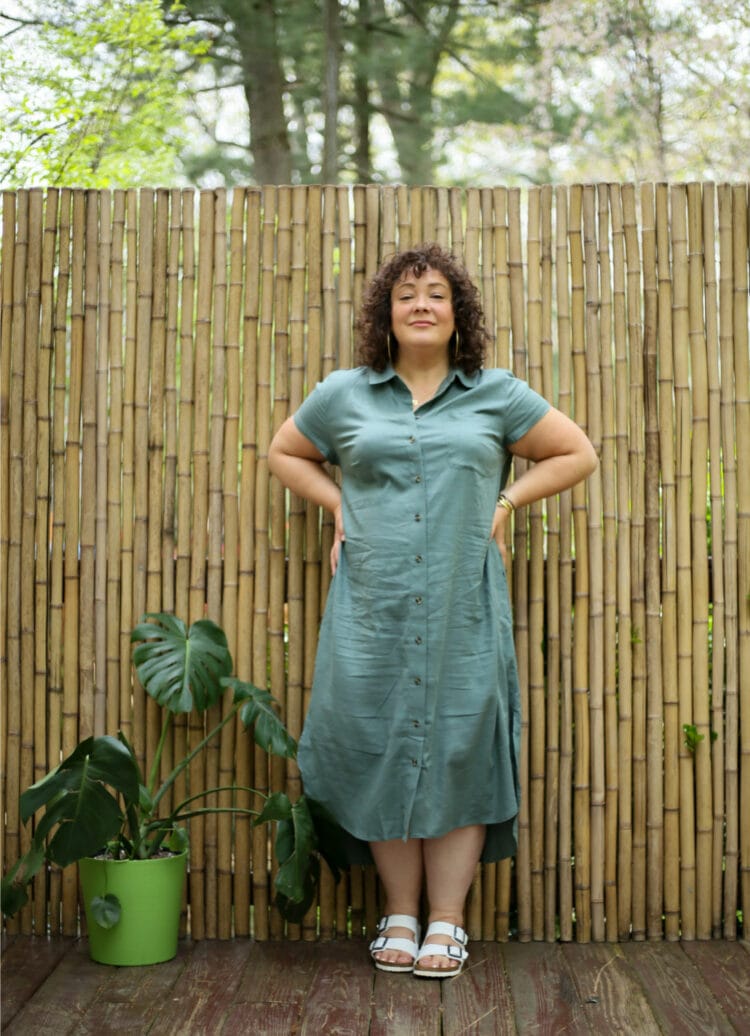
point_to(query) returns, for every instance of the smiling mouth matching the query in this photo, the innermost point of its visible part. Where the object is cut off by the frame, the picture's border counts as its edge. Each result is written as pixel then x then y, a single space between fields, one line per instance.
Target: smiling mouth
pixel 421 323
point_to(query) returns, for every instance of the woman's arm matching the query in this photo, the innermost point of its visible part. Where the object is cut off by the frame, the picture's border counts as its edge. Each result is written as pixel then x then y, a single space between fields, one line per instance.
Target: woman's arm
pixel 298 464
pixel 562 456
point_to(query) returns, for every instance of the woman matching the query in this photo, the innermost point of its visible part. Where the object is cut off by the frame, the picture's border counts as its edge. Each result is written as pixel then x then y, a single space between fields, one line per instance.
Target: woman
pixel 412 735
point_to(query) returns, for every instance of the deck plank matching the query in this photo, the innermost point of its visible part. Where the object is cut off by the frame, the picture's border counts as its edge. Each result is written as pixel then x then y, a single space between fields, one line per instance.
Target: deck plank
pixel 544 994
pixel 62 1000
pixel 478 1002
pixel 725 967
pixel 338 1003
pixel 608 989
pixel 405 1006
pixel 679 998
pixel 202 993
pixel 26 963
pixel 279 972
pixel 260 1020
pixel 130 999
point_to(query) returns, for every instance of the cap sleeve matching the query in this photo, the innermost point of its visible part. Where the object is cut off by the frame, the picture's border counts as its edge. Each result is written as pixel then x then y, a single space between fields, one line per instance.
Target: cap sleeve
pixel 523 408
pixel 314 419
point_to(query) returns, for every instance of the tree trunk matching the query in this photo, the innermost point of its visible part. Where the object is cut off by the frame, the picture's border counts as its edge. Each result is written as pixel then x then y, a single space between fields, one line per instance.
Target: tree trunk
pixel 264 83
pixel 406 79
pixel 331 28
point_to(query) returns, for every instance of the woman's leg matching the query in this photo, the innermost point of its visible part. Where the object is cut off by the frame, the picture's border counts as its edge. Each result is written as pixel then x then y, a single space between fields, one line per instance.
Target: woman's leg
pixel 399 865
pixel 450 863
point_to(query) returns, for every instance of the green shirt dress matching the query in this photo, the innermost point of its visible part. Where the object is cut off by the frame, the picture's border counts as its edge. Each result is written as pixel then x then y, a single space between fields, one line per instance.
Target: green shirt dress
pixel 414 722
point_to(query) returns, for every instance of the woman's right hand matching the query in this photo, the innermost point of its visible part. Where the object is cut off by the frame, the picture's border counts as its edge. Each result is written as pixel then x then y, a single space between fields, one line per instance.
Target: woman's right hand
pixel 339 536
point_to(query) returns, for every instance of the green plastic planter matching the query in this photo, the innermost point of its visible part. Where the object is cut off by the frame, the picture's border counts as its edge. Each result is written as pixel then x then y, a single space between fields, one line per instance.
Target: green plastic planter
pixel 150 895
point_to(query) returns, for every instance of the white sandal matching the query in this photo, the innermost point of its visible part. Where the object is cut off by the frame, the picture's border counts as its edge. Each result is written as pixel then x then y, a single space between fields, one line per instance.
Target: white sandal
pixel 395 942
pixel 436 949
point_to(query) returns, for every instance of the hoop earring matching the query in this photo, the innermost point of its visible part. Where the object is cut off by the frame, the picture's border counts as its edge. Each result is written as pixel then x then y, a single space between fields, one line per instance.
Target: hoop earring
pixel 456 347
pixel 388 347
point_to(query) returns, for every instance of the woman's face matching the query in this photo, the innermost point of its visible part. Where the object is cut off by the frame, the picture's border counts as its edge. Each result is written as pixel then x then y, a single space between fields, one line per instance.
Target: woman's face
pixel 422 311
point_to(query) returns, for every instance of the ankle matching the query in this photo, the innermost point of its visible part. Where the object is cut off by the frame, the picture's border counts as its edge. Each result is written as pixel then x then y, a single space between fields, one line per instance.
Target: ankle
pixel 448 916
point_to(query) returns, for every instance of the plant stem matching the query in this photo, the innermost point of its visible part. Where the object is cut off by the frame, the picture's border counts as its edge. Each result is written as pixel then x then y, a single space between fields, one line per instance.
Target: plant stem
pixel 152 777
pixel 169 781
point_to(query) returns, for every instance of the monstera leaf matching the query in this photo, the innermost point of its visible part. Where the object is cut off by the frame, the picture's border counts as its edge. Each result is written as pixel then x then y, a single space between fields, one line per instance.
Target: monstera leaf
pixel 257 711
pixel 80 811
pixel 180 668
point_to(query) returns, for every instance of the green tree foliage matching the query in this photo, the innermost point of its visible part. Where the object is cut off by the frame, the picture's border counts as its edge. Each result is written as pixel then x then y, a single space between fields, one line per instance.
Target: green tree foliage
pixel 302 91
pixel 90 93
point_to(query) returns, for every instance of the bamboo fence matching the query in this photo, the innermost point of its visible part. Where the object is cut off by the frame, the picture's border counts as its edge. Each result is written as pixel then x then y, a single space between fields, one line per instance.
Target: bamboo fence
pixel 150 344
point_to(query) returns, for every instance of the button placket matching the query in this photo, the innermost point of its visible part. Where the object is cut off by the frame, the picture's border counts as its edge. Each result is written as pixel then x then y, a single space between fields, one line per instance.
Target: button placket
pixel 416 635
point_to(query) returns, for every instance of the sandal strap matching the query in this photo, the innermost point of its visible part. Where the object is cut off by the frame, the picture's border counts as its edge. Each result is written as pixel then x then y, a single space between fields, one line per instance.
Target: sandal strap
pixel 455 931
pixel 439 949
pixel 399 921
pixel 393 942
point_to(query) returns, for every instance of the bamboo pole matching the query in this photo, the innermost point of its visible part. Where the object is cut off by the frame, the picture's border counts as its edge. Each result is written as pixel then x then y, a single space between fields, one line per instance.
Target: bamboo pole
pixel 321 215
pixel 552 595
pixel 684 556
pixel 654 705
pixel 388 221
pixel 29 409
pixel 230 573
pixel 55 646
pixel 17 839
pixel 143 710
pixel 7 790
pixel 214 540
pixel 519 579
pixel 716 592
pixel 699 552
pixel 581 777
pixel 114 459
pixel 89 704
pixel 442 217
pixel 487 875
pixel 102 715
pixel 637 587
pixel 742 432
pixel 501 332
pixel 71 704
pixel 127 615
pixel 668 575
pixel 262 544
pixel 729 546
pixel 609 561
pixel 288 396
pixel 565 404
pixel 199 526
pixel 536 686
pixel 41 897
pixel 185 443
pixel 596 562
pixel 246 587
pixel 156 425
pixel 624 638
pixel 171 410
pixel 474 905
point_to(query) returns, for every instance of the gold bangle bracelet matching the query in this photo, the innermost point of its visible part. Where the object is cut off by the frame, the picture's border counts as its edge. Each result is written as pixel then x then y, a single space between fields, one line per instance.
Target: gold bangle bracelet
pixel 506 502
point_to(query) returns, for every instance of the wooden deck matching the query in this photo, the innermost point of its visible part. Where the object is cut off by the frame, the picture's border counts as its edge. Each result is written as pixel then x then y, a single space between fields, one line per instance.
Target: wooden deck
pixel 330 989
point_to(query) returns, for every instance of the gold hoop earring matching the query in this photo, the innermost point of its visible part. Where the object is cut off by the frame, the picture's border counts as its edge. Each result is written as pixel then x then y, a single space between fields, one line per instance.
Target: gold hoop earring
pixel 457 347
pixel 388 347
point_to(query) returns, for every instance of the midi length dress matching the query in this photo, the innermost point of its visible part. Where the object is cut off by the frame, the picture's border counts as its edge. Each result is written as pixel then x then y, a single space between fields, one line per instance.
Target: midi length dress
pixel 413 727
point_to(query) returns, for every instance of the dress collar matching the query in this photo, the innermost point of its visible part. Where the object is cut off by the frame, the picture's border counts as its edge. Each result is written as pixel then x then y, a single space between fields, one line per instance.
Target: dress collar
pixel 380 377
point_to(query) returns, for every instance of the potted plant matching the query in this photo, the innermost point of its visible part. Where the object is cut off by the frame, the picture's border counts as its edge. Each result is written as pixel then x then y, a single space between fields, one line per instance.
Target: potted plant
pixel 103 813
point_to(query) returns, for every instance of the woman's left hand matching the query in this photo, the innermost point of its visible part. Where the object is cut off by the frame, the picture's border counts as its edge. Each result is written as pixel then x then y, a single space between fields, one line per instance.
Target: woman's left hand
pixel 499 525
pixel 339 536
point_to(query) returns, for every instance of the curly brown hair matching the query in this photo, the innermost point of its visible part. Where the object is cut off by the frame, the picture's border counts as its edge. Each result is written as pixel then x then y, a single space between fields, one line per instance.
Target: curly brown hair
pixel 374 321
